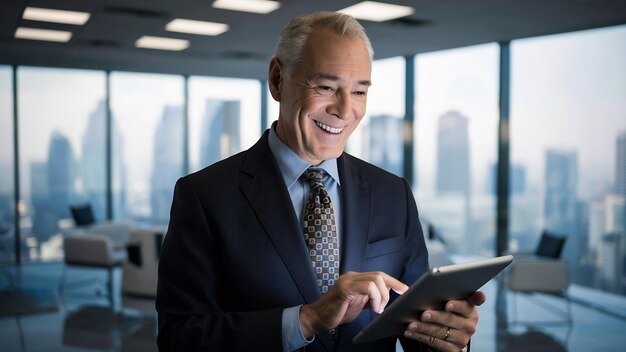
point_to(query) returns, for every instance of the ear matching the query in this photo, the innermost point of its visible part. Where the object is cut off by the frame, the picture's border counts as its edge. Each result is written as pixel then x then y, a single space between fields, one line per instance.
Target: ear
pixel 275 78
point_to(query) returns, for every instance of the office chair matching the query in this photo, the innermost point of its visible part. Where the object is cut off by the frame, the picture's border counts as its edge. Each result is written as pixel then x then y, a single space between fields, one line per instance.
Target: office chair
pixel 95 245
pixel 542 272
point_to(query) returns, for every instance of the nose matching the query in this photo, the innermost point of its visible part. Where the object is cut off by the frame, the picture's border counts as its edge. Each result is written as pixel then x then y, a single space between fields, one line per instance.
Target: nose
pixel 341 105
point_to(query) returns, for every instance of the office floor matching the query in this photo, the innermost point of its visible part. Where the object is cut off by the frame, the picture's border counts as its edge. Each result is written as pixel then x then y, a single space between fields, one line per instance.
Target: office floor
pixel 83 321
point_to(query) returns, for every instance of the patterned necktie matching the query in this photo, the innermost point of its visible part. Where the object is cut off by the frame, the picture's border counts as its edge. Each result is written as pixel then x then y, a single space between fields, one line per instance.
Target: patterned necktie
pixel 320 231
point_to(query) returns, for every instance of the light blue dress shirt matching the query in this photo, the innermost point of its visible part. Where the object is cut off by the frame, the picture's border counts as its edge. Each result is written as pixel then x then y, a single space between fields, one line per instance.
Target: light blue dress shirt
pixel 291 168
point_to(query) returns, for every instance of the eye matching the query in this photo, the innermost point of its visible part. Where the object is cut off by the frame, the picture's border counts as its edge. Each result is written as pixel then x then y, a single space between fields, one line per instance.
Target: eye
pixel 360 93
pixel 325 88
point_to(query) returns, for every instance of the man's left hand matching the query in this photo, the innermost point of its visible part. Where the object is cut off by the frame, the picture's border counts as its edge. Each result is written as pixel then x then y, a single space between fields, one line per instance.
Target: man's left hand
pixel 448 330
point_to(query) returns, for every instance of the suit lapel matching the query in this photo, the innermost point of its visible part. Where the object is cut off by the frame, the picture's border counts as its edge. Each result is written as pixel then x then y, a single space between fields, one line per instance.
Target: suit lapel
pixel 356 215
pixel 263 187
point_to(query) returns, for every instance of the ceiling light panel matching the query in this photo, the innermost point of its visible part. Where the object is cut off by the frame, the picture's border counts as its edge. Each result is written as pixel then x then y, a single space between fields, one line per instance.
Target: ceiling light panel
pixel 42 34
pixel 196 27
pixel 254 6
pixel 161 43
pixel 377 11
pixel 56 16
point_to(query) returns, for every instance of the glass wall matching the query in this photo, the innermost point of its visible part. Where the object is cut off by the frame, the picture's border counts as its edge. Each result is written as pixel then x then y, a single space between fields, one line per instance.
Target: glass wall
pixel 379 137
pixel 568 149
pixel 224 118
pixel 62 153
pixel 7 182
pixel 455 133
pixel 147 144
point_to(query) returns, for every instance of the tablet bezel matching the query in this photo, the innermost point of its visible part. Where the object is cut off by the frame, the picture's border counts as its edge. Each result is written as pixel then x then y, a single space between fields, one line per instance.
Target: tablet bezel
pixel 431 291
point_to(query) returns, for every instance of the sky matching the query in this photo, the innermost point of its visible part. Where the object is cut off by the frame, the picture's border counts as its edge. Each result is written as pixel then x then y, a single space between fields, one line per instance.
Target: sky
pixel 572 99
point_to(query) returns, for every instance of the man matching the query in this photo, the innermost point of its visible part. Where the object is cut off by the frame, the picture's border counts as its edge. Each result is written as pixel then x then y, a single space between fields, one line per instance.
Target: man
pixel 242 266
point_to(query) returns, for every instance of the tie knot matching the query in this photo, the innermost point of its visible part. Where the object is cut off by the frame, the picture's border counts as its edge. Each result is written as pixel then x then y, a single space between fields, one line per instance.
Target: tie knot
pixel 314 176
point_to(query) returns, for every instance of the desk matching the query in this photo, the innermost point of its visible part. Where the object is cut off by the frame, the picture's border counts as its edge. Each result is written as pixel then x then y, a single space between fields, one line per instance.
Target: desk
pixel 140 271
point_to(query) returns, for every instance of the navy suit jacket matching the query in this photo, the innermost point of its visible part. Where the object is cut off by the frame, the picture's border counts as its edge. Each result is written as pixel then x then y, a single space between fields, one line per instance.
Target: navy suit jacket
pixel 234 255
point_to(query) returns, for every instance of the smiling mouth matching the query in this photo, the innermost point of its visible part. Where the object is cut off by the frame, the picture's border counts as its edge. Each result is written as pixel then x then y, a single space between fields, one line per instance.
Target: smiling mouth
pixel 329 129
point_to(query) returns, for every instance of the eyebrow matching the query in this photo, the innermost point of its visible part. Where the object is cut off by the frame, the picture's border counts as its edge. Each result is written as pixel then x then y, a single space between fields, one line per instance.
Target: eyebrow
pixel 336 79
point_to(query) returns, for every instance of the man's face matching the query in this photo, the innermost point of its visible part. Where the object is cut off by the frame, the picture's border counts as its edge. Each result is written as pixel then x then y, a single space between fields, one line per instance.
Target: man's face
pixel 323 101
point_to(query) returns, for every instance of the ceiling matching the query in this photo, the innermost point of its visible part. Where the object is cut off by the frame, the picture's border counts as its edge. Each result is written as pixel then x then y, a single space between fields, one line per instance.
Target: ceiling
pixel 107 40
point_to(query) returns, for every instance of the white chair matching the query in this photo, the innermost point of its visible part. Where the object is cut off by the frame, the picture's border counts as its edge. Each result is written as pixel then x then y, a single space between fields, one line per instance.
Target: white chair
pixel 93 244
pixel 95 251
pixel 541 273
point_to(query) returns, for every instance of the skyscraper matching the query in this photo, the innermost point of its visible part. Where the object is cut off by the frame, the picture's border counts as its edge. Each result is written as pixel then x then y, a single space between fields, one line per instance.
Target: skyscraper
pixel 620 164
pixel 220 131
pixel 560 207
pixel 612 266
pixel 52 187
pixel 560 196
pixel 93 162
pixel 385 143
pixel 615 213
pixel 453 177
pixel 453 154
pixel 168 162
pixel 61 173
pixel 597 223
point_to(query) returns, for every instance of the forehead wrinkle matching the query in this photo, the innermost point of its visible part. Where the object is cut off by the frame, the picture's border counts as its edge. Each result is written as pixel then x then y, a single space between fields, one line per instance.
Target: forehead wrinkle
pixel 334 78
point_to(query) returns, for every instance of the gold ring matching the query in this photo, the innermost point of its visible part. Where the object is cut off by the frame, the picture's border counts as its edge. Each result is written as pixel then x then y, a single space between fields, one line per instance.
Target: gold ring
pixel 447 335
pixel 464 349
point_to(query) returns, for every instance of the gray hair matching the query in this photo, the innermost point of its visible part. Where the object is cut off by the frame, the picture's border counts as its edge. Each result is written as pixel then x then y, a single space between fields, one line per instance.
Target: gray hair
pixel 294 36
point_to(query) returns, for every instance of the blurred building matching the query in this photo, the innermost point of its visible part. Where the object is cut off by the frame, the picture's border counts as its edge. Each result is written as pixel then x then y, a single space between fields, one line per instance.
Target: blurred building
pixel 560 200
pixel 168 166
pixel 220 131
pixel 385 143
pixel 453 164
pixel 92 164
pixel 620 164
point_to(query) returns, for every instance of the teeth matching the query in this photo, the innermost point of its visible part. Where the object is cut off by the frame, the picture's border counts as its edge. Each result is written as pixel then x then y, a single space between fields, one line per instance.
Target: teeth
pixel 328 129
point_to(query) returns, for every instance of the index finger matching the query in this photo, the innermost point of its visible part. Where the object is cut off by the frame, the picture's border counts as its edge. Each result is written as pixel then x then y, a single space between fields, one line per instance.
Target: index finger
pixel 392 283
pixel 398 286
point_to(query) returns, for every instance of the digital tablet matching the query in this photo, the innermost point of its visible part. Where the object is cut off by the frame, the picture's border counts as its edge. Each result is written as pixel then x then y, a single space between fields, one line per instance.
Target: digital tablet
pixel 431 291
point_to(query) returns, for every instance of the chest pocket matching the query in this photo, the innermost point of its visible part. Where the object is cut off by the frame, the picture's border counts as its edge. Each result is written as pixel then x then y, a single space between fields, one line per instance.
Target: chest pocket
pixel 384 247
pixel 385 255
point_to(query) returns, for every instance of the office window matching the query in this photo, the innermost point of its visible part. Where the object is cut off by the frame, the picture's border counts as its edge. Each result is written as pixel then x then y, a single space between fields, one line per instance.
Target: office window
pixel 61 145
pixel 7 182
pixel 147 144
pixel 568 145
pixel 379 137
pixel 224 118
pixel 456 145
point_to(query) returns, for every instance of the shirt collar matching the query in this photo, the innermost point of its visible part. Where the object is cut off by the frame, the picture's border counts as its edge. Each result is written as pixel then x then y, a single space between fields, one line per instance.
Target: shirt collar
pixel 291 165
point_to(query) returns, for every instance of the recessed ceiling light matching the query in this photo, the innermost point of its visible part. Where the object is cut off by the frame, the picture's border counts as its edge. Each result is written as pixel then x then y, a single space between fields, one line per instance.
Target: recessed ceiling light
pixel 42 34
pixel 56 16
pixel 162 43
pixel 254 6
pixel 196 27
pixel 377 11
